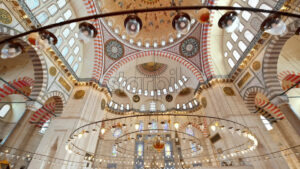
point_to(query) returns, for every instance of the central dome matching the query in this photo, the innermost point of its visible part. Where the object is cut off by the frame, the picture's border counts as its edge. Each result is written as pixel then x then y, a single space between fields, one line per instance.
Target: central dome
pixel 156 31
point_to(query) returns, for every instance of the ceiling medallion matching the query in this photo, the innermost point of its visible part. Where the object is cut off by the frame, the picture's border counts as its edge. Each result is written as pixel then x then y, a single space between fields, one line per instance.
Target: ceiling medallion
pixel 169 98
pixel 136 98
pixel 204 102
pixel 189 47
pixel 256 65
pixel 228 91
pixel 5 17
pixel 103 103
pixel 79 94
pixel 52 71
pixel 151 68
pixel 114 49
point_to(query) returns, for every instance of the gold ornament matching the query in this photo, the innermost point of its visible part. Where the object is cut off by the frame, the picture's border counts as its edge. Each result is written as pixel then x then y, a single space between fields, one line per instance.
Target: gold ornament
pixel 256 65
pixel 228 91
pixel 5 17
pixel 204 102
pixel 52 71
pixel 79 94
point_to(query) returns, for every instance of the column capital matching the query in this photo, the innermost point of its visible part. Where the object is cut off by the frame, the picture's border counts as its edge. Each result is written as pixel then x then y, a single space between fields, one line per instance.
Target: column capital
pixel 280 100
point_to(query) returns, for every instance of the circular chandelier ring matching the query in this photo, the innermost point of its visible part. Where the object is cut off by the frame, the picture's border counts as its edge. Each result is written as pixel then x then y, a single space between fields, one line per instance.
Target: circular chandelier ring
pixel 135 11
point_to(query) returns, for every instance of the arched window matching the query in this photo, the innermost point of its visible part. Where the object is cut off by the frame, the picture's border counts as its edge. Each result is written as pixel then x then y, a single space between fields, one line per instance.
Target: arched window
pixel 45 127
pixel 4 110
pixel 52 9
pixel 189 131
pixel 140 150
pixel 168 150
pixel 114 150
pixel 42 17
pixel 266 123
pixel 231 63
pixel 32 4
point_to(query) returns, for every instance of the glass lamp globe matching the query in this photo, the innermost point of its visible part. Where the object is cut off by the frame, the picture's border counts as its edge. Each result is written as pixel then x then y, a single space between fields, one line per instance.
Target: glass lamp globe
pixel 229 21
pixel 297 31
pixel 87 32
pixel 133 25
pixel 45 39
pixel 274 25
pixel 11 50
pixel 203 15
pixel 182 23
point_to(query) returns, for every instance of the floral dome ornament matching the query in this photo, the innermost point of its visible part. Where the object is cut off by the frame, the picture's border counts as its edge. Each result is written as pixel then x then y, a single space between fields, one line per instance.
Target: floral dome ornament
pixel 11 50
pixel 274 25
pixel 87 32
pixel 229 21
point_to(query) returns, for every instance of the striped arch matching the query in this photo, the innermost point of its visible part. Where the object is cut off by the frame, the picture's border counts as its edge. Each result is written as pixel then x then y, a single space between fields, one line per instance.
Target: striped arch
pixel 205 131
pixel 289 79
pixel 59 98
pixel 41 116
pixel 39 68
pixel 255 98
pixel 183 61
pixel 98 42
pixel 271 58
pixel 22 84
pixel 205 44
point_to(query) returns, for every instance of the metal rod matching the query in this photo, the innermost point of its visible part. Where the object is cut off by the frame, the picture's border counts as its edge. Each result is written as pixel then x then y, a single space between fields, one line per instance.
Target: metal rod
pixel 12 102
pixel 294 97
pixel 173 8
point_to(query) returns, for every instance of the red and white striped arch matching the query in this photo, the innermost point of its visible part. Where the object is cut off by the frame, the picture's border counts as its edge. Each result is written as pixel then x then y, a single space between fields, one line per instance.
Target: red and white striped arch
pixel 183 61
pixel 261 100
pixel 289 79
pixel 20 84
pixel 205 131
pixel 42 115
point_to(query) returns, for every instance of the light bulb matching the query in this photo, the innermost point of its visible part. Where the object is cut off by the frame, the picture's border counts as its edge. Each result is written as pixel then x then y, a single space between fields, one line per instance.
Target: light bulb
pixel 213 128
pixel 102 130
pixel 203 15
pixel 182 23
pixel 133 25
pixel 176 125
pixel 137 126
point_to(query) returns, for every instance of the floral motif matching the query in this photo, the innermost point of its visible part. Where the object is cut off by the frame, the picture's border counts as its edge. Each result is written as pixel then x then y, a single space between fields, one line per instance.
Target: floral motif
pixel 114 49
pixel 189 47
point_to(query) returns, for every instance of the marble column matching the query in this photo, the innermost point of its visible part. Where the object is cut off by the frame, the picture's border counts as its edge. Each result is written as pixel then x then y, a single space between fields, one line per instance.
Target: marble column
pixel 290 116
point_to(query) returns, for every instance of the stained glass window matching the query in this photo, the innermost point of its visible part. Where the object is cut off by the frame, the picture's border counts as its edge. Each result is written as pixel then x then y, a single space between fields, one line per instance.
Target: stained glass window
pixel 168 150
pixel 114 150
pixel 189 131
pixel 140 150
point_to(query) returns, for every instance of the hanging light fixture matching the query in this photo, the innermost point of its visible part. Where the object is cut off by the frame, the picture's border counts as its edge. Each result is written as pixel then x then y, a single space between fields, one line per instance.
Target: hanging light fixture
pixel 274 25
pixel 133 25
pixel 182 23
pixel 176 125
pixel 297 31
pixel 87 32
pixel 46 39
pixel 229 21
pixel 11 50
pixel 203 15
